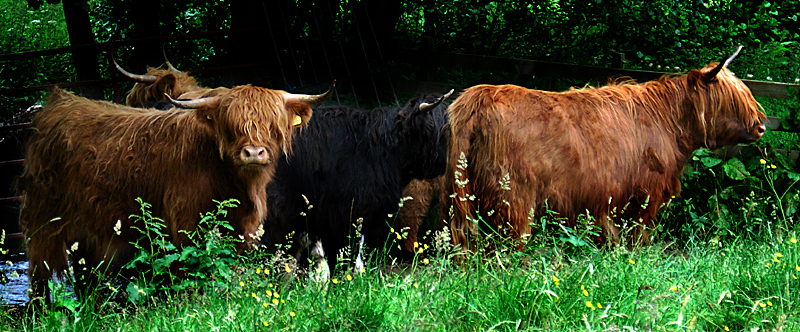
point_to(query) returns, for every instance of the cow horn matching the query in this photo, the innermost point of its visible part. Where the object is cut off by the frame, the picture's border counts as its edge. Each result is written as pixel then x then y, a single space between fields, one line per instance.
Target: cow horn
pixel 725 63
pixel 309 99
pixel 169 65
pixel 194 103
pixel 425 107
pixel 137 78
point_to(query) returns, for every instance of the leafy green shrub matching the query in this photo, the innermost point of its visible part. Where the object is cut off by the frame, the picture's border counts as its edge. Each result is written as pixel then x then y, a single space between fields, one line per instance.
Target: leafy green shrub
pixel 162 267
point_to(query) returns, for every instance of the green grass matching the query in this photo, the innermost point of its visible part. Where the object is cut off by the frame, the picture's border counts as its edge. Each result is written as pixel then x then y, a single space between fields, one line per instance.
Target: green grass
pixel 739 285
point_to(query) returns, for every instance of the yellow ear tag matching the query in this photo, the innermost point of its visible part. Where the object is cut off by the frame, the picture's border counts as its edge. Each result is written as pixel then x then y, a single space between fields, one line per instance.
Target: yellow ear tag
pixel 297 120
pixel 208 117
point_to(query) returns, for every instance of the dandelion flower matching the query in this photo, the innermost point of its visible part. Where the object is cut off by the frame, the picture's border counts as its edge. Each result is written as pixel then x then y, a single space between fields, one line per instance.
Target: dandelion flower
pixel 762 161
pixel 241 283
pixel 291 313
pixel 589 304
pixel 330 306
pixel 762 304
pixel 778 255
pixel 416 285
pixel 398 236
pixel 258 271
pixel 631 261
pixel 266 304
pixel 349 277
pixel 275 301
pixel 334 281
pixel 793 240
pixel 426 261
pixel 769 303
pixel 265 324
pixel 283 301
pixel 287 268
pixel 391 230
pixel 726 328
pixel 585 293
pixel 416 244
pixel 673 288
pixel 599 306
pixel 277 296
pixel 794 276
pixel 797 267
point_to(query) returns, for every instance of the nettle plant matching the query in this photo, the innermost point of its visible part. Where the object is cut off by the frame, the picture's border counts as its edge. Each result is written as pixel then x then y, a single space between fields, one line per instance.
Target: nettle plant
pixel 161 267
pixel 751 195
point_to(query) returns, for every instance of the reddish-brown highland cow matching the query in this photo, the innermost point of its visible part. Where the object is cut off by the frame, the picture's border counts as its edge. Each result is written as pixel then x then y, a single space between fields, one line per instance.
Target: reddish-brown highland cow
pixel 157 84
pixel 616 152
pixel 87 161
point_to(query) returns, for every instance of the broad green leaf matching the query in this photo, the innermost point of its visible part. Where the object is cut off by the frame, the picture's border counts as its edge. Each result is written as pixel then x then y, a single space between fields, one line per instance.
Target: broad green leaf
pixel 735 169
pixel 710 161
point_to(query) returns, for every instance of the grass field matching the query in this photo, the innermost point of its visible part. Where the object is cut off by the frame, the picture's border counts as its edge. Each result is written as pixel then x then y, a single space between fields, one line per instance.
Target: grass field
pixel 736 286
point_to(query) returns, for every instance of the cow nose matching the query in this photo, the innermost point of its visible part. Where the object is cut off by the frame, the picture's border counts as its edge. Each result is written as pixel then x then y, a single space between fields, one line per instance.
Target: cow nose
pixel 254 155
pixel 761 129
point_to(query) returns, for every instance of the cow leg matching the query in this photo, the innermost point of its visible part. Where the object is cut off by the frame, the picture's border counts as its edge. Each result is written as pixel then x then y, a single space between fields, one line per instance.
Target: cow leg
pixel 318 269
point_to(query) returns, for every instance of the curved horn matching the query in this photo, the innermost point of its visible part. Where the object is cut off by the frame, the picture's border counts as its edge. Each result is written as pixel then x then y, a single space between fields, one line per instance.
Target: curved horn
pixel 169 65
pixel 725 63
pixel 425 107
pixel 309 99
pixel 137 78
pixel 194 103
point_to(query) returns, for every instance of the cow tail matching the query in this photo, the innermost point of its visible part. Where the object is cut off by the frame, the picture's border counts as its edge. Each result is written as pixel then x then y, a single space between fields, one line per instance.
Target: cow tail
pixel 463 114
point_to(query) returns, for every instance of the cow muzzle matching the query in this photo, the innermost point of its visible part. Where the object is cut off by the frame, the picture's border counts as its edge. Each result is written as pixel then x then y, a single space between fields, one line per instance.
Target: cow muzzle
pixel 254 155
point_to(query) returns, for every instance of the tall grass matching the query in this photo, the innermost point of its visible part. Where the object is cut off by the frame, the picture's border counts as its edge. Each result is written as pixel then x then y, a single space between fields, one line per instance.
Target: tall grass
pixel 744 285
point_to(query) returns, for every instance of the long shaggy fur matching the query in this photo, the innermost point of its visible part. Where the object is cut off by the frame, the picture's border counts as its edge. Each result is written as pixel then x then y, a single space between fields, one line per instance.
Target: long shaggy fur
pixel 414 211
pixel 87 161
pixel 353 164
pixel 616 152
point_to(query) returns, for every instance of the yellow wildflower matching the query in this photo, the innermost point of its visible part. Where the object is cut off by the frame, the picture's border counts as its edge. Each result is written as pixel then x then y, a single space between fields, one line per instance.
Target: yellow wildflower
pixel 266 304
pixel 258 271
pixel 778 255
pixel 330 306
pixel 334 281
pixel 275 301
pixel 241 283
pixel 797 267
pixel 269 293
pixel 590 305
pixel 762 161
pixel 416 244
pixel 793 240
pixel 769 303
pixel 761 304
pixel 673 288
pixel 291 313
pixel 416 285
pixel 556 280
pixel 277 296
pixel 631 261
pixel 349 277
pixel 265 324
pixel 426 261
pixel 794 276
pixel 599 306
pixel 391 230
pixel 287 268
pixel 283 301
pixel 266 272
pixel 398 236
pixel 726 328
pixel 585 293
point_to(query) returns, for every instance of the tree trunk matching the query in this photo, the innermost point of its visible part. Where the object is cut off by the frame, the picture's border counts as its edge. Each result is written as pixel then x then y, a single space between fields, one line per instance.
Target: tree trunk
pixel 80 33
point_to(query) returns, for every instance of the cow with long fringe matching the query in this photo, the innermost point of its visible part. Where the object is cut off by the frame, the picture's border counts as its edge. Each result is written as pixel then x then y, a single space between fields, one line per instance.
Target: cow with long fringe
pixel 616 152
pixel 87 161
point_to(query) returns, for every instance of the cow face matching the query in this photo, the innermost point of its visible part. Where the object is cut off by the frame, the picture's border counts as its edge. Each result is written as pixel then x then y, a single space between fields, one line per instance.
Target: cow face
pixel 252 124
pixel 729 112
pixel 422 128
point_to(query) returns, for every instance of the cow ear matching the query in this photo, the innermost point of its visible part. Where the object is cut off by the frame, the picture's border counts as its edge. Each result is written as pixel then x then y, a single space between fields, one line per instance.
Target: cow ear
pixel 165 85
pixel 300 113
pixel 695 78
